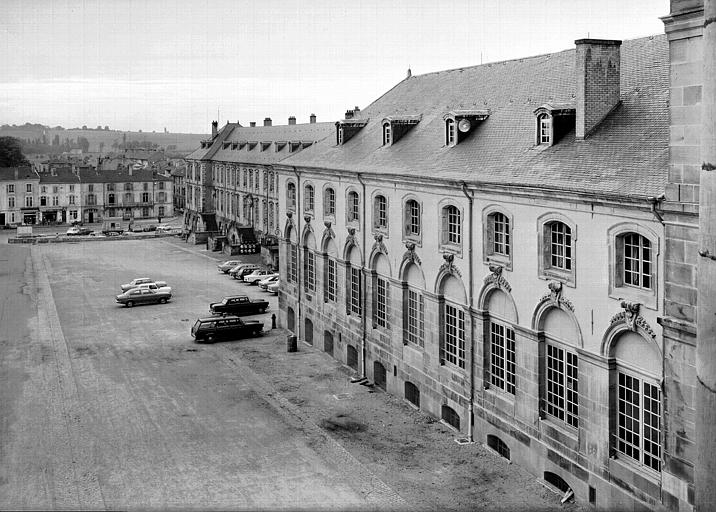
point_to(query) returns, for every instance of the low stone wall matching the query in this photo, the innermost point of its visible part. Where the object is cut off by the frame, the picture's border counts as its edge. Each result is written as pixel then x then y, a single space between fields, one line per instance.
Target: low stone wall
pixel 73 239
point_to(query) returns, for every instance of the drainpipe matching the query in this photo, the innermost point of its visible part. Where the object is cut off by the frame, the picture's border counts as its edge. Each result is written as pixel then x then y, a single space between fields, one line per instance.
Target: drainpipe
pixel 655 201
pixel 470 418
pixel 298 251
pixel 363 284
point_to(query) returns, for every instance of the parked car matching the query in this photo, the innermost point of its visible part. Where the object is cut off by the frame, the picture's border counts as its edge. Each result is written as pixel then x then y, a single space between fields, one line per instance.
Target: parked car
pixel 263 284
pixel 227 265
pixel 238 305
pixel 156 286
pixel 143 296
pixel 149 227
pixel 78 231
pixel 225 327
pixel 257 275
pixel 239 271
pixel 136 228
pixel 136 282
pixel 273 287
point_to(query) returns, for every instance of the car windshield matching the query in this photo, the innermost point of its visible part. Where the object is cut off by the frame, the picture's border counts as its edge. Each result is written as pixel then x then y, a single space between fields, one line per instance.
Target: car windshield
pixel 196 325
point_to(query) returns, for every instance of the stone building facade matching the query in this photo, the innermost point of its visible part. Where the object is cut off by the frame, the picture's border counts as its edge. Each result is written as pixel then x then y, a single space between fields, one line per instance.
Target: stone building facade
pixel 489 244
pixel 230 183
pixel 18 196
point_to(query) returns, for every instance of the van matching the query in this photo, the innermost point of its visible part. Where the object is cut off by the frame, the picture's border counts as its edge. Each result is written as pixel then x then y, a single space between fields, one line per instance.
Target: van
pixel 225 327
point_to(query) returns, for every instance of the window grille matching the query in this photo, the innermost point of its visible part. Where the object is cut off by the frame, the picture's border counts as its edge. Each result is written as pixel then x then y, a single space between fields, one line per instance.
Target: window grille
pixel 454 346
pixel 415 328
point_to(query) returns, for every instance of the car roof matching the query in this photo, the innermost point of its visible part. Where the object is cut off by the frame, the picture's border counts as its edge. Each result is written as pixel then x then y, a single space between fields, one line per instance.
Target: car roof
pixel 234 296
pixel 215 318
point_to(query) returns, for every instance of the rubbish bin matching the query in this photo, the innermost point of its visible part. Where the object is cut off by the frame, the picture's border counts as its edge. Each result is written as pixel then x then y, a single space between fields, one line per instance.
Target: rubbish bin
pixel 292 343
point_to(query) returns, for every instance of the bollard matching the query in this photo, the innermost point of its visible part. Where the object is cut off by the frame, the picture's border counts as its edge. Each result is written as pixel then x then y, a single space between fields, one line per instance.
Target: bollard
pixel 273 321
pixel 292 343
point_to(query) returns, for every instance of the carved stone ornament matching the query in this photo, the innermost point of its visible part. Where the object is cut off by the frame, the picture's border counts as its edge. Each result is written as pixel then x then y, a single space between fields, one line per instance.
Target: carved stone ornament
pixel 379 246
pixel 327 223
pixel 351 238
pixel 496 277
pixel 289 214
pixel 632 319
pixel 410 255
pixel 351 231
pixel 449 265
pixel 307 218
pixel 555 296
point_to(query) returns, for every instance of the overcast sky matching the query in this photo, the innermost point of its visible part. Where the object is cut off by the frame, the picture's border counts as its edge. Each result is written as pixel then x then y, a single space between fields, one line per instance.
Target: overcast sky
pixel 151 64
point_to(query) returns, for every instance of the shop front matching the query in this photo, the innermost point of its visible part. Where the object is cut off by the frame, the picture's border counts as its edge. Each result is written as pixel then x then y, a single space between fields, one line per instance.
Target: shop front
pixel 30 215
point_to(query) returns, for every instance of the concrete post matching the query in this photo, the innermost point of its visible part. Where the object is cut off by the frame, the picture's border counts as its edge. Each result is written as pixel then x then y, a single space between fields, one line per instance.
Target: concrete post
pixel 705 470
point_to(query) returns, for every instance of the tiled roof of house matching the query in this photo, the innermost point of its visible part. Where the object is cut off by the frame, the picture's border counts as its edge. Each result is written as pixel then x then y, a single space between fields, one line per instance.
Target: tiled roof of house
pixel 269 144
pixel 23 173
pixel 90 175
pixel 61 175
pixel 626 155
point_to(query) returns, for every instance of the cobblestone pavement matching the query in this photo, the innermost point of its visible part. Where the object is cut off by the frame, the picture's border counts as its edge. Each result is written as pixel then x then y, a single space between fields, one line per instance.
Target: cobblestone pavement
pixel 105 407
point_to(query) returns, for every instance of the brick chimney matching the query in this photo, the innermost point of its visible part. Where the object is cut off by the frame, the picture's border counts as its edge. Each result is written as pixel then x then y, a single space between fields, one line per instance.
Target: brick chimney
pixel 252 124
pixel 291 120
pixel 349 114
pixel 214 128
pixel 597 82
pixel 267 121
pixel 313 118
pixel 356 111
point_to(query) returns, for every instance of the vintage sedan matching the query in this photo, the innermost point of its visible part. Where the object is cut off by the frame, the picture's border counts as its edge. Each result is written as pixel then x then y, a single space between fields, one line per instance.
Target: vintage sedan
pixel 78 231
pixel 258 275
pixel 263 284
pixel 136 282
pixel 143 296
pixel 227 265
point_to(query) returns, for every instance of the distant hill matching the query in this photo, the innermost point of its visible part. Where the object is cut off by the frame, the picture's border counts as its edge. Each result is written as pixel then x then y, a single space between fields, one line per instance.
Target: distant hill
pixel 41 137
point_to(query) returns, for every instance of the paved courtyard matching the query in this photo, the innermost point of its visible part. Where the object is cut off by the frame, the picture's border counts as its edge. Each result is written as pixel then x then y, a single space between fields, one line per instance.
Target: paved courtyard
pixel 105 407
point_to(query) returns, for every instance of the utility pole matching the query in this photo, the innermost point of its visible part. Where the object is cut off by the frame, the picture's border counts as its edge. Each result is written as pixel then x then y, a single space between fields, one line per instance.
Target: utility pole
pixel 705 470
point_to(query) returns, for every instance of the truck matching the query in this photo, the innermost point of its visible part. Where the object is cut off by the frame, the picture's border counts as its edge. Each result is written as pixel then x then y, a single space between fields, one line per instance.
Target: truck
pixel 238 305
pixel 114 225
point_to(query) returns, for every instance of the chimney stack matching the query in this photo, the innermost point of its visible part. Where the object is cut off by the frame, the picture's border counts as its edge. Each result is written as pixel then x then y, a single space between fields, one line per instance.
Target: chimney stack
pixel 349 114
pixel 313 118
pixel 356 110
pixel 214 128
pixel 291 120
pixel 267 121
pixel 252 124
pixel 597 69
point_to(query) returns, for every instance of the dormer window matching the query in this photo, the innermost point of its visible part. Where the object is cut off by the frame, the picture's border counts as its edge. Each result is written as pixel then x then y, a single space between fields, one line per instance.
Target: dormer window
pixel 394 127
pixel 544 127
pixel 265 146
pixel 460 123
pixel 347 128
pixel 554 120
pixel 279 145
pixel 386 134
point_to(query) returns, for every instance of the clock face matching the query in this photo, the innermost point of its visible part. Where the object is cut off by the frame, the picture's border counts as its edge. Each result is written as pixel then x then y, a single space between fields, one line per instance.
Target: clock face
pixel 464 125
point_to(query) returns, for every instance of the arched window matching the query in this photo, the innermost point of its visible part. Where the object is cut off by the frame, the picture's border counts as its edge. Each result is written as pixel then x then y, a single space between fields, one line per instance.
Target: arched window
pixel 353 207
pixel 412 394
pixel 291 196
pixel 636 402
pixel 379 375
pixel 501 344
pixel 449 416
pixel 309 263
pixel 292 263
pixel 308 200
pixel 329 202
pixel 637 260
pixel 451 225
pixel 560 246
pixel 387 138
pixel 308 331
pixel 499 446
pixel 557 237
pixel 544 129
pixel 453 335
pixel 380 212
pixel 414 313
pixel 330 269
pixel 381 292
pixel 450 132
pixel 110 199
pixel 412 218
pixel 354 286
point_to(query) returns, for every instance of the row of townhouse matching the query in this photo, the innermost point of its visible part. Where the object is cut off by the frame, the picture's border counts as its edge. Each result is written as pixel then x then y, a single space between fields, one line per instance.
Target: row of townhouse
pixel 513 248
pixel 64 194
pixel 230 184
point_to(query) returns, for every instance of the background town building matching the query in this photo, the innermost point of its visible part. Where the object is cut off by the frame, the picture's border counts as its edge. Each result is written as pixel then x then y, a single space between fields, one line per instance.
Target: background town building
pixel 18 196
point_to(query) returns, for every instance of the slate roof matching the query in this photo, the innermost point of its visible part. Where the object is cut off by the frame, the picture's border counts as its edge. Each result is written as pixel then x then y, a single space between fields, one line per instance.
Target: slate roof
pixel 62 175
pixel 234 132
pixel 90 175
pixel 23 173
pixel 627 155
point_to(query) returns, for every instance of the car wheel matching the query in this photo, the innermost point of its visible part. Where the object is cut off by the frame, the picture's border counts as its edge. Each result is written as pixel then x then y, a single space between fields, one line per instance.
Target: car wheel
pixel 256 332
pixel 163 300
pixel 209 338
pixel 130 303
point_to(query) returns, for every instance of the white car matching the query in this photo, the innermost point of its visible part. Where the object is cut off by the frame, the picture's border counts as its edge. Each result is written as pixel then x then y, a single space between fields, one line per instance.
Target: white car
pixel 263 284
pixel 257 275
pixel 156 286
pixel 136 282
pixel 273 287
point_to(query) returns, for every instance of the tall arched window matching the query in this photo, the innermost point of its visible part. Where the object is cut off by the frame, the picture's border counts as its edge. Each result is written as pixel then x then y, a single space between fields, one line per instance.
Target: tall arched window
pixel 308 200
pixel 353 207
pixel 381 291
pixel 380 212
pixel 291 196
pixel 450 133
pixel 500 341
pixel 451 225
pixel 544 129
pixel 414 312
pixel 309 263
pixel 412 218
pixel 330 270
pixel 329 202
pixel 636 401
pixel 453 333
pixel 354 284
pixel 387 138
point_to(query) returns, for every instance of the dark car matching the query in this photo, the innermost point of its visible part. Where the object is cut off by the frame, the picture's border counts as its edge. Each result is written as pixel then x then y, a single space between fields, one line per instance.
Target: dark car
pixel 238 305
pixel 225 328
pixel 143 296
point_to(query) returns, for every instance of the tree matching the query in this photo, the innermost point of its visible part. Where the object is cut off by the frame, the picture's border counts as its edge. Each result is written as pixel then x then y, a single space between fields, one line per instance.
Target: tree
pixel 83 143
pixel 11 152
pixel 56 140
